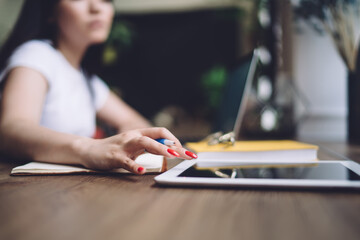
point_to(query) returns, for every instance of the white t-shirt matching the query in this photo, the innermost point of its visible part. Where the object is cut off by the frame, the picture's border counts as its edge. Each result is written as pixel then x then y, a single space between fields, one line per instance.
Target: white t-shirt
pixel 70 106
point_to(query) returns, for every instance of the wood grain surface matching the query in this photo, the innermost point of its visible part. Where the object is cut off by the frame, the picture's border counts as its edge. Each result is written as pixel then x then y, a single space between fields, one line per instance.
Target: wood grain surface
pixel 124 206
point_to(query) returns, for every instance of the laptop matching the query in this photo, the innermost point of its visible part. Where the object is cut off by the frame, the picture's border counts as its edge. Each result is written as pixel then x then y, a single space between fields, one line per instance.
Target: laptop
pixel 235 96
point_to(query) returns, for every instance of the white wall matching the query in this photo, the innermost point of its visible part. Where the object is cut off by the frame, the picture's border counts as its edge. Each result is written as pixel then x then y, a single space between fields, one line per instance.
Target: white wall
pixel 9 11
pixel 320 75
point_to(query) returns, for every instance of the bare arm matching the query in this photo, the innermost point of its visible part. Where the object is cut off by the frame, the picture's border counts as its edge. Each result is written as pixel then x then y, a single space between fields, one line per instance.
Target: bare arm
pixel 20 132
pixel 120 115
pixel 21 135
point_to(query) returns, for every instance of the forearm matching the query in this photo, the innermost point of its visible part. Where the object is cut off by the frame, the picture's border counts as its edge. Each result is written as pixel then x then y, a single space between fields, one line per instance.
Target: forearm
pixel 24 139
pixel 132 121
pixel 121 116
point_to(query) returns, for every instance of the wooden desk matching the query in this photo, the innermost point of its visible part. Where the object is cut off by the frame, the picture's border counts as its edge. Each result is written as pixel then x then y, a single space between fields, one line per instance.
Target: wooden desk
pixel 133 207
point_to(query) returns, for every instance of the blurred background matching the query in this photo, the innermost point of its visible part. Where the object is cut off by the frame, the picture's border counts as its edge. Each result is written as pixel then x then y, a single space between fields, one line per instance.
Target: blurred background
pixel 169 59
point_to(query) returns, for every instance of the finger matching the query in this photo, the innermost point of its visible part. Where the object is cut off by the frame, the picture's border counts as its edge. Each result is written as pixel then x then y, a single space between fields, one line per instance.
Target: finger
pixel 154 147
pixel 159 132
pixel 184 153
pixel 132 166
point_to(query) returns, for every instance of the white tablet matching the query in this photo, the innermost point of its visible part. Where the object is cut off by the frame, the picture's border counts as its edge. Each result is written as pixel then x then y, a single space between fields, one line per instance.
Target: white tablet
pixel 320 174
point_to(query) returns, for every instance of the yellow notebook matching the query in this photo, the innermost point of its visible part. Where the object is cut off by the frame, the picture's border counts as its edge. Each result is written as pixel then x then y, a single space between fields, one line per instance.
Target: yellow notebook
pixel 253 151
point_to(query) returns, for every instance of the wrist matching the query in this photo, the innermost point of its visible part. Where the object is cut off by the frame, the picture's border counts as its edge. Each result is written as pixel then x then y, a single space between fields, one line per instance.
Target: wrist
pixel 80 147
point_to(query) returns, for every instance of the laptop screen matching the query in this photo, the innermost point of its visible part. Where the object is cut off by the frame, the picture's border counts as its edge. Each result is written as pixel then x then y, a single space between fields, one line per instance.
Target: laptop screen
pixel 235 94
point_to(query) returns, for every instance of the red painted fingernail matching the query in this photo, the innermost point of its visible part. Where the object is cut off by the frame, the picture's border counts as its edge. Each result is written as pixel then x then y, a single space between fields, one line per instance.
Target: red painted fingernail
pixel 191 154
pixel 173 152
pixel 140 169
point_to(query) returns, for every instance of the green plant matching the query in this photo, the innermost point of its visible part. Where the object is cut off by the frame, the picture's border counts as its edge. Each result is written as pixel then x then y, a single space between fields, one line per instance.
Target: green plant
pixel 120 39
pixel 213 82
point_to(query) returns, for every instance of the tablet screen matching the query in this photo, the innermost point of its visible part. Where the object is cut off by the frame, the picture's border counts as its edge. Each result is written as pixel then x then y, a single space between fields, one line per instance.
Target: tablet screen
pixel 320 171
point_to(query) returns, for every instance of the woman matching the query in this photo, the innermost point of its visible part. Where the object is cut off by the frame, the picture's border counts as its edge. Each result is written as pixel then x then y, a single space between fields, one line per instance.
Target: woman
pixel 51 95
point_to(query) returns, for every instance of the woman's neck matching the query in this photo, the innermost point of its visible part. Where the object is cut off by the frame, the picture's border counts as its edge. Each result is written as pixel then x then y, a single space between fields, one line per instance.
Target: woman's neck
pixel 72 52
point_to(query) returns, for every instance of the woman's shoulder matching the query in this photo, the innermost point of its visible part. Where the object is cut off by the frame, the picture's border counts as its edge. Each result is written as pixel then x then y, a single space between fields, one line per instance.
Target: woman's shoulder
pixel 36 48
pixel 38 55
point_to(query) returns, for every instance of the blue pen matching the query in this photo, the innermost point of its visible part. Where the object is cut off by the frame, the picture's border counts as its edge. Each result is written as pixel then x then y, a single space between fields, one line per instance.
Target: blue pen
pixel 165 141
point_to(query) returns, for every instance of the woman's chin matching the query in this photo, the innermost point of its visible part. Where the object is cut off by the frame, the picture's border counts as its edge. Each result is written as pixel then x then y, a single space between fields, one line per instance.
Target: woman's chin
pixel 98 39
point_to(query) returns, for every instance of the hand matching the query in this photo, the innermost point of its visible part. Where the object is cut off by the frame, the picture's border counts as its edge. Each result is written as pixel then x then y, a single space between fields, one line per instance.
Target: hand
pixel 121 150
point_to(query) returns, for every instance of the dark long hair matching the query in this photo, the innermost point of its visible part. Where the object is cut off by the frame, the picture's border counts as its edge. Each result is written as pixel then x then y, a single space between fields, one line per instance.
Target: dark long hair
pixel 34 23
